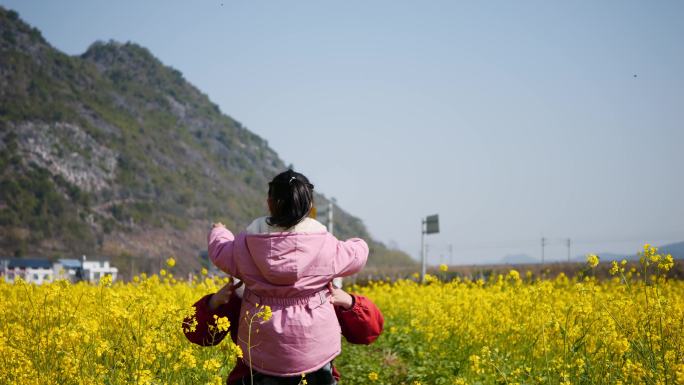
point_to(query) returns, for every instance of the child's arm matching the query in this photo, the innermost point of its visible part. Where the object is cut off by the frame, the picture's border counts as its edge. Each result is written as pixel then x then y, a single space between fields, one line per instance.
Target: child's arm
pixel 220 250
pixel 351 257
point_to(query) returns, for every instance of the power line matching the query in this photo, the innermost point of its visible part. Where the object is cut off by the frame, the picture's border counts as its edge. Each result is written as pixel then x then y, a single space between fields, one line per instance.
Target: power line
pixel 527 243
pixel 551 241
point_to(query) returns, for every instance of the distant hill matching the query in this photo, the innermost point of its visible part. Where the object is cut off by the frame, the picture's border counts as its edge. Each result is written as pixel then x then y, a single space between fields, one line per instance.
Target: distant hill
pixel 676 249
pixel 112 153
pixel 605 256
pixel 517 259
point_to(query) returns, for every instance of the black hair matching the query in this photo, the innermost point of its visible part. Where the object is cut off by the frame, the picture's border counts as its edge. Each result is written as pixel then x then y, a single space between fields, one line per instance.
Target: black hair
pixel 291 198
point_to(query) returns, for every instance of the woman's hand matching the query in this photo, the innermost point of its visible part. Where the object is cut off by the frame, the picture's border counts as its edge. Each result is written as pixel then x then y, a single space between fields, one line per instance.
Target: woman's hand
pixel 222 296
pixel 340 297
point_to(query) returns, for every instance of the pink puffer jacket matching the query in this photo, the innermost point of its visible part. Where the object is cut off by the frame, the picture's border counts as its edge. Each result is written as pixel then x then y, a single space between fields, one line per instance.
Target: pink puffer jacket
pixel 289 271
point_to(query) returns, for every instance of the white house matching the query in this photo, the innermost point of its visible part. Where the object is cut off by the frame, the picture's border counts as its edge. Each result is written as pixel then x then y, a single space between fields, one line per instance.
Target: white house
pixel 94 270
pixel 69 269
pixel 41 271
pixel 36 271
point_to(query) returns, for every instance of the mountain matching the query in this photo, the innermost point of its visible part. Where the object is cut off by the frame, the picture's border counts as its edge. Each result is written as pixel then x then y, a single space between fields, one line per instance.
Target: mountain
pixel 518 259
pixel 675 249
pixel 113 154
pixel 605 256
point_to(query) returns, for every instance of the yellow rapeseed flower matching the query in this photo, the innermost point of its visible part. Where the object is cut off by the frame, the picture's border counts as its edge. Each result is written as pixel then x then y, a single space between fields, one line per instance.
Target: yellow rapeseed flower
pixel 106 280
pixel 211 365
pixel 667 263
pixel 679 372
pixel 592 260
pixel 265 313
pixel 222 324
pixel 614 268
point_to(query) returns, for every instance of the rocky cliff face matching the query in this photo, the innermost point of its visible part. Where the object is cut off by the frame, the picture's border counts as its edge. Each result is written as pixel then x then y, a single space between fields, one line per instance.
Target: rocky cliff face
pixel 68 151
pixel 112 153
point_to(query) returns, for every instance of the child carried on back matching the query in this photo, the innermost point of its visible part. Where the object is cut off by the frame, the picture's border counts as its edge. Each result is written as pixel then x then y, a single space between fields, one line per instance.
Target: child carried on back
pixel 287 261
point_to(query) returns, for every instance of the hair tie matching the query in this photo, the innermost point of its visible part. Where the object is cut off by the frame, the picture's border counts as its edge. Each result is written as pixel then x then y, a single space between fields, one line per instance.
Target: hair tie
pixel 291 180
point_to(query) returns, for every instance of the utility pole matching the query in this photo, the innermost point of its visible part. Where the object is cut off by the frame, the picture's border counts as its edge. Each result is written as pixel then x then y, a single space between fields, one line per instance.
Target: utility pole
pixel 451 254
pixel 427 253
pixel 422 250
pixel 428 225
pixel 337 282
pixel 543 245
pixel 330 216
pixel 568 244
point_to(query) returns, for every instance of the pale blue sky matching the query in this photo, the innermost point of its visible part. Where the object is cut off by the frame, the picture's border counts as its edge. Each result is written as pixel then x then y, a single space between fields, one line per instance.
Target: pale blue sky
pixel 512 120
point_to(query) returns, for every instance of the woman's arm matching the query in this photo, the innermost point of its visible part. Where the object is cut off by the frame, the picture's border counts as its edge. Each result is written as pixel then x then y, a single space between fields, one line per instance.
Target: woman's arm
pixel 224 303
pixel 360 319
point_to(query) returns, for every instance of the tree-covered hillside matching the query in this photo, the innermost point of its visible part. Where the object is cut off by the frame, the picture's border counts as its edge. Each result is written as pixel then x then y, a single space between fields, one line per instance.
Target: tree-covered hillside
pixel 114 154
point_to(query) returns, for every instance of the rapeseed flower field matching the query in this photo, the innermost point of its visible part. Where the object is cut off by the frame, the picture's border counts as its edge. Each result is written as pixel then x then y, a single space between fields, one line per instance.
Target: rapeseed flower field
pixel 510 329
pixel 121 333
pixel 506 329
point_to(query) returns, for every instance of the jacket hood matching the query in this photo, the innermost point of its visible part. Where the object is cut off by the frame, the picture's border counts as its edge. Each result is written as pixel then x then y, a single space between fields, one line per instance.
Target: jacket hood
pixel 282 258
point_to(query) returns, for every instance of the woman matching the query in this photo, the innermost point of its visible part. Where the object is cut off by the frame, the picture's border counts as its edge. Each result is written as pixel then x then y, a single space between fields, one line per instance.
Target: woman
pixel 286 261
pixel 360 320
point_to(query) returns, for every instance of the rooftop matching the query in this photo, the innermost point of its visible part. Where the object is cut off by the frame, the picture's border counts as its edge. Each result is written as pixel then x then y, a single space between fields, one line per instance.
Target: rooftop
pixel 70 263
pixel 25 263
